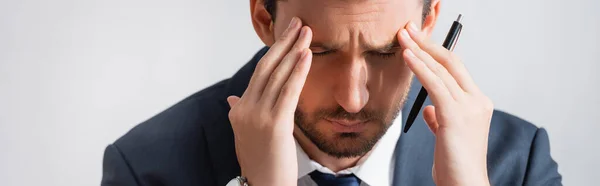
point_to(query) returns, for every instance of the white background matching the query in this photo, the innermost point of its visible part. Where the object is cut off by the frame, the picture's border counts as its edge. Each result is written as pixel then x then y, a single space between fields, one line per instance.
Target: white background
pixel 77 74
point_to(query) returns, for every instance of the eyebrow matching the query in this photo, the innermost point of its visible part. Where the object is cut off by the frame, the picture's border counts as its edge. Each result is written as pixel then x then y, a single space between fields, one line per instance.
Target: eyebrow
pixel 326 46
pixel 367 47
pixel 383 48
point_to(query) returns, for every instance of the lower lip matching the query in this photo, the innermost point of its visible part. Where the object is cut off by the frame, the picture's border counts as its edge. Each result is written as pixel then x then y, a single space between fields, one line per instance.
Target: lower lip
pixel 338 127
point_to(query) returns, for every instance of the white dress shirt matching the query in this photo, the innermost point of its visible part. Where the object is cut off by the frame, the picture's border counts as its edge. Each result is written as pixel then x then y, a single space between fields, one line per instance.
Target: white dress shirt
pixel 376 168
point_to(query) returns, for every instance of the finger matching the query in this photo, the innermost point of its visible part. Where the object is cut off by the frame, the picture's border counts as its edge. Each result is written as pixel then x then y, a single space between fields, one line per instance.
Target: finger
pixel 290 92
pixel 271 59
pixel 232 100
pixel 407 42
pixel 432 83
pixel 430 119
pixel 446 58
pixel 283 71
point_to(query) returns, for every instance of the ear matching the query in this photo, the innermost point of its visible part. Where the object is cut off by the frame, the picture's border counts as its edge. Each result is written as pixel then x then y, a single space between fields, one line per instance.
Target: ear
pixel 431 18
pixel 262 22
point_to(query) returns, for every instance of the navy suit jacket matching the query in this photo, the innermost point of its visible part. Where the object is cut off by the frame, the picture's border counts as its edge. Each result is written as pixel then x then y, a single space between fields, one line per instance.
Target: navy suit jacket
pixel 191 143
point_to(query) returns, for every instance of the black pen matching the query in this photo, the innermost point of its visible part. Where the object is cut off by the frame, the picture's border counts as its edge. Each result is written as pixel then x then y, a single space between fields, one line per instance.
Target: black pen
pixel 449 44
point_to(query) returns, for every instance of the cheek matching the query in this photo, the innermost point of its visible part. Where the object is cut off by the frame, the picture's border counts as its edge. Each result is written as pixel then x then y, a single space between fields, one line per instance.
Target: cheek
pixel 388 80
pixel 317 91
pixel 390 72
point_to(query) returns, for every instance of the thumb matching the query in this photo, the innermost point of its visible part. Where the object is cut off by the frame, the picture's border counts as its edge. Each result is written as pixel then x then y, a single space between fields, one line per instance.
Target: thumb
pixel 430 119
pixel 232 100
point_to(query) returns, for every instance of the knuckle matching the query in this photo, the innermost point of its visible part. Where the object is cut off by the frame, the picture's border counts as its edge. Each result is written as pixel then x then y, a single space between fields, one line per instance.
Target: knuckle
pixel 274 76
pixel 420 51
pixel 285 58
pixel 285 90
pixel 436 69
pixel 294 52
pixel 285 36
pixel 438 85
pixel 262 64
pixel 441 67
pixel 445 59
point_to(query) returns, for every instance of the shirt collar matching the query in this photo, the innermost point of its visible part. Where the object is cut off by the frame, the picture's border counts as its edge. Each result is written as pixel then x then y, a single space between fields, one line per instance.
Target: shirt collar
pixel 375 168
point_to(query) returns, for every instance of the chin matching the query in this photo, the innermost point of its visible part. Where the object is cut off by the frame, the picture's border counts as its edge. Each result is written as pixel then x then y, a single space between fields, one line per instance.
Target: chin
pixel 346 142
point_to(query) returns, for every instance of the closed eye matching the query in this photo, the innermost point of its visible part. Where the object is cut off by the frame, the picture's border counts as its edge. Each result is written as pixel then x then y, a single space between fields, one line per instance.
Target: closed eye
pixel 322 53
pixel 383 55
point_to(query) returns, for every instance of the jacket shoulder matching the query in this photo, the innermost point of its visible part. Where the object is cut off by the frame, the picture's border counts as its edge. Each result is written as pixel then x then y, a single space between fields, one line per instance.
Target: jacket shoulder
pixel 505 125
pixel 509 148
pixel 173 143
pixel 184 119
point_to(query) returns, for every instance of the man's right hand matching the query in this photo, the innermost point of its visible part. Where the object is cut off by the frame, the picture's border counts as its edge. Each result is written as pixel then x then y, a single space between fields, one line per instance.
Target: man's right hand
pixel 263 118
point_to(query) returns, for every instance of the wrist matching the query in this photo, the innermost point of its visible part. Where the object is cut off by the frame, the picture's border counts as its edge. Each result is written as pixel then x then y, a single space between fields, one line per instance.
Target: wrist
pixel 238 181
pixel 473 179
pixel 269 181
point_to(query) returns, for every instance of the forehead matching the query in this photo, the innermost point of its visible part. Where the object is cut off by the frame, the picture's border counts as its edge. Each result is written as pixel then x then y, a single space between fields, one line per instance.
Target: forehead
pixel 372 21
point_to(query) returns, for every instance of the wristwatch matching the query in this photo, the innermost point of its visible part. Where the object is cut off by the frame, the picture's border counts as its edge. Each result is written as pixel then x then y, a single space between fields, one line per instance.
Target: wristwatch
pixel 238 181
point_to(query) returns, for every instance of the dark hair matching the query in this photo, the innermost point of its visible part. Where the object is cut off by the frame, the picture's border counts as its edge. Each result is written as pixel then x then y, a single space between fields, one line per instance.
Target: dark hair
pixel 271 6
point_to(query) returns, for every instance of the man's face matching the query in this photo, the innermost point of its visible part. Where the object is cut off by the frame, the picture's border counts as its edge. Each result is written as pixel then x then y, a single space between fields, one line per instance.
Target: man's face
pixel 358 80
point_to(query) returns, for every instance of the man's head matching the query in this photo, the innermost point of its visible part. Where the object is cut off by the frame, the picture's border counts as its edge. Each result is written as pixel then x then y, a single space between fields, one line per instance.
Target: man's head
pixel 358 80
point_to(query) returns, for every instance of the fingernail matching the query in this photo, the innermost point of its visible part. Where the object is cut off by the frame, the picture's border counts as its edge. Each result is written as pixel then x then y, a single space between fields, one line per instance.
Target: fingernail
pixel 405 34
pixel 293 22
pixel 410 53
pixel 413 27
pixel 302 32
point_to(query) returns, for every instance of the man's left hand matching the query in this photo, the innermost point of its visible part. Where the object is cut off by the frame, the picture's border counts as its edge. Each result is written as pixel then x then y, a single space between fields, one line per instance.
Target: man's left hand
pixel 460 115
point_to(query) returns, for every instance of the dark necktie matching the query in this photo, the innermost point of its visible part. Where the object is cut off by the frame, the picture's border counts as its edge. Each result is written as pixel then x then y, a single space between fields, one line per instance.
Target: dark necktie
pixel 324 179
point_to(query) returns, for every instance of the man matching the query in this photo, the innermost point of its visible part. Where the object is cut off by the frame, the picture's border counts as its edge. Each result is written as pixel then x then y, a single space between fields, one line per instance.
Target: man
pixel 323 105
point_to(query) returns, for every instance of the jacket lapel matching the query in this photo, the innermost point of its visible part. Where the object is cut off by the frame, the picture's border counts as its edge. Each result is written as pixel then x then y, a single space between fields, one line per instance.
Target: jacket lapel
pixel 414 150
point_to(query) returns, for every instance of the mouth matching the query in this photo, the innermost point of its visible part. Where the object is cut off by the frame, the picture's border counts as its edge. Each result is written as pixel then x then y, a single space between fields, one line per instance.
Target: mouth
pixel 348 126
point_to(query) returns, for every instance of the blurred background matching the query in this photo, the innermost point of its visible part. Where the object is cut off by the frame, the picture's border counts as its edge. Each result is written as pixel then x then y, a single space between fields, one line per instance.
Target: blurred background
pixel 75 75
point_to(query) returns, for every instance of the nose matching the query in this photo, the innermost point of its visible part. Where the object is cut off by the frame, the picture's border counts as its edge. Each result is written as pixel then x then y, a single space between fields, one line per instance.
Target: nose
pixel 351 88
